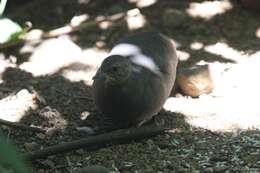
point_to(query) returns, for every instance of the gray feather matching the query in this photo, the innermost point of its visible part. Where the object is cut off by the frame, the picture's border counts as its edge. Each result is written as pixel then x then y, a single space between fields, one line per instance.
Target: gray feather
pixel 137 78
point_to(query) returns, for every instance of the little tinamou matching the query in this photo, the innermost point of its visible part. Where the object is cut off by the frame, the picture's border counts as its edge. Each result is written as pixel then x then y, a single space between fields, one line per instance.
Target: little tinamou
pixel 136 78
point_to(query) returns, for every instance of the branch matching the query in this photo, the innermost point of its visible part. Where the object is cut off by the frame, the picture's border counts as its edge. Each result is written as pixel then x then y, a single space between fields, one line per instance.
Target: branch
pixel 21 126
pixel 12 44
pixel 68 29
pixel 118 136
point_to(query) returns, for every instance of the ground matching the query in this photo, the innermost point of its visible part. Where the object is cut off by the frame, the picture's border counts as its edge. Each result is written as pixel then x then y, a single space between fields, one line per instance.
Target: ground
pixel 47 83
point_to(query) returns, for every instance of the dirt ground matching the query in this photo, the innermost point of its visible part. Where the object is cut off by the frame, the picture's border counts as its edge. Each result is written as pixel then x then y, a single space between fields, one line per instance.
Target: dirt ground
pixel 46 83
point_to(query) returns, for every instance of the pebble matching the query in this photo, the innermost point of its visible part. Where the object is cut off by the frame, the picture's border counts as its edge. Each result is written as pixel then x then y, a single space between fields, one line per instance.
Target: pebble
pixel 41 135
pixel 195 81
pixel 30 146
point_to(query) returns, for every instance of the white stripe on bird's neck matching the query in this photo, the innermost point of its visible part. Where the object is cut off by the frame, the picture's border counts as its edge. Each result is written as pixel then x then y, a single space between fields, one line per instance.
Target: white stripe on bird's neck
pixel 136 56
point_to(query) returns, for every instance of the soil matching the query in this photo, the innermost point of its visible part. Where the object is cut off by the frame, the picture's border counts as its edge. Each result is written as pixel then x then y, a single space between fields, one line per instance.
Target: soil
pixel 59 105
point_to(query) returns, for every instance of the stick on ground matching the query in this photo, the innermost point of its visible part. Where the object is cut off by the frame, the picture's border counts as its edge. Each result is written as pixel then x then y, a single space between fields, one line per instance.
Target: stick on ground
pixel 21 126
pixel 118 136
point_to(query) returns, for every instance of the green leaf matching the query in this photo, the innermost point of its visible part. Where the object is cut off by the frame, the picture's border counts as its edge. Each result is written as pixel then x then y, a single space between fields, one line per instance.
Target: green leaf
pixel 9 159
pixel 10 30
pixel 2 6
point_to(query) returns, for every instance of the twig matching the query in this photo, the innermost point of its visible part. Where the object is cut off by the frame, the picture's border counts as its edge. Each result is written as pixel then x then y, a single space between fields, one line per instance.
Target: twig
pixel 209 131
pixel 83 97
pixel 21 126
pixel 117 136
pixel 12 44
pixel 70 28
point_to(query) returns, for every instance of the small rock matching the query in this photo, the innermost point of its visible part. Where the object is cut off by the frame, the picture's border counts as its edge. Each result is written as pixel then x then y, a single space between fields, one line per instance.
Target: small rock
pixel 41 135
pixel 31 146
pixel 195 81
pixel 84 115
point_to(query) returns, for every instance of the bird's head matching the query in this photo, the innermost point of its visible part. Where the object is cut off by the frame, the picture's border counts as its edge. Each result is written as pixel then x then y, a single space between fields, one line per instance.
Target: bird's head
pixel 114 70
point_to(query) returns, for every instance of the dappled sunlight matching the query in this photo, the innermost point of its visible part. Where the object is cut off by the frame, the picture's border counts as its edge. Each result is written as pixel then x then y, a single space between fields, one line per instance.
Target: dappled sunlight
pixel 226 51
pixel 182 55
pixel 143 3
pixel 208 9
pixel 242 78
pixel 233 104
pixel 81 75
pixel 257 33
pixel 83 1
pixel 218 114
pixel 84 115
pixel 105 25
pixel 196 45
pixel 77 20
pixel 135 20
pixel 14 107
pixel 63 56
pixel 76 23
pixel 92 58
pixel 34 34
pixel 51 55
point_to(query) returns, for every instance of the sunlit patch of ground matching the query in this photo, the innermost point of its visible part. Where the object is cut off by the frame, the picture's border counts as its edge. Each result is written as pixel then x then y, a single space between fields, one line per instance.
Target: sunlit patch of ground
pixel 208 9
pixel 225 51
pixel 14 107
pixel 90 62
pixel 233 104
pixel 64 56
pixel 4 64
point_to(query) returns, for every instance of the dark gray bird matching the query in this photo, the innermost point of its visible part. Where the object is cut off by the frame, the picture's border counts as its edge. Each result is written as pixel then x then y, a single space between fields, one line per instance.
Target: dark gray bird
pixel 136 78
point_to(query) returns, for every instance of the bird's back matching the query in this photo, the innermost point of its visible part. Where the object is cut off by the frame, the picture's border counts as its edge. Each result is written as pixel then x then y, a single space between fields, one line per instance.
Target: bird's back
pixel 155 46
pixel 154 61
